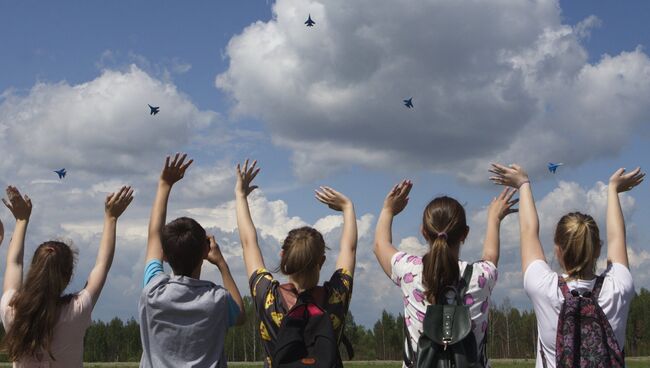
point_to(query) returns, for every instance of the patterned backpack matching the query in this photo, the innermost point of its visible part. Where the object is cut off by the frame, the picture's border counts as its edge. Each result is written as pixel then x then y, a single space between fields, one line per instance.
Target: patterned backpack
pixel 584 336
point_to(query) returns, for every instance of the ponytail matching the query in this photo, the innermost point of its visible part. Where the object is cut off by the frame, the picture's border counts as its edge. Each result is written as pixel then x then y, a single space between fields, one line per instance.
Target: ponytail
pixel 302 252
pixel 444 226
pixel 578 238
pixel 37 304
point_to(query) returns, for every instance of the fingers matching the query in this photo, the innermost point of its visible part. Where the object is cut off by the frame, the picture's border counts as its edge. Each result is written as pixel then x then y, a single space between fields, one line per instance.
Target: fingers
pixel 257 171
pixel 166 162
pixel 7 204
pixel 184 167
pixel 245 166
pixel 509 194
pixel 179 163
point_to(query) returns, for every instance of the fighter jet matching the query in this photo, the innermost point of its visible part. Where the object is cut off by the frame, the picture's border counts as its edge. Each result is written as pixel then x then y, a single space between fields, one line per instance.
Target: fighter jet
pixel 409 103
pixel 553 167
pixel 154 110
pixel 309 22
pixel 61 173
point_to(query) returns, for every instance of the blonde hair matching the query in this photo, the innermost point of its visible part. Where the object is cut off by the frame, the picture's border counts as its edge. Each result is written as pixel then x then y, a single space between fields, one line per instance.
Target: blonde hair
pixel 578 238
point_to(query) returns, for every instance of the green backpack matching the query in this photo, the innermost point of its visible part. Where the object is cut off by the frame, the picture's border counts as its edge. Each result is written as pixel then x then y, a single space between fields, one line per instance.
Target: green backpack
pixel 447 340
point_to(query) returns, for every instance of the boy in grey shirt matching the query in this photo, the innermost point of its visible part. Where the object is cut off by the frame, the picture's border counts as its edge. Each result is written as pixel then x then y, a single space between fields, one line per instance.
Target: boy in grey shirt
pixel 183 320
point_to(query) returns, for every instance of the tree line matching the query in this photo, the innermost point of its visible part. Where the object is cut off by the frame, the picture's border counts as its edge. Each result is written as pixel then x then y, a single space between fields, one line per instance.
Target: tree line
pixel 511 334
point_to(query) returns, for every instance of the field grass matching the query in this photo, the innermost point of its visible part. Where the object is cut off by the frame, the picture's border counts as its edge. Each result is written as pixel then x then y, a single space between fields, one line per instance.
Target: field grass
pixel 496 363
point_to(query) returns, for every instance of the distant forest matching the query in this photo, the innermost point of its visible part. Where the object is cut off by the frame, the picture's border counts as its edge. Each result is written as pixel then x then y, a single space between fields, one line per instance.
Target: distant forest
pixel 511 334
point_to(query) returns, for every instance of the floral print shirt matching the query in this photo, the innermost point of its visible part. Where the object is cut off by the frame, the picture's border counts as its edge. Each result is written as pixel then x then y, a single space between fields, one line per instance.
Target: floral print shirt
pixel 407 274
pixel 271 309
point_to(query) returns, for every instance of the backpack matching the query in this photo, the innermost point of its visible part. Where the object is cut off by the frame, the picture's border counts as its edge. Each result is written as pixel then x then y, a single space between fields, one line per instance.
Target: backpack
pixel 306 336
pixel 584 336
pixel 447 340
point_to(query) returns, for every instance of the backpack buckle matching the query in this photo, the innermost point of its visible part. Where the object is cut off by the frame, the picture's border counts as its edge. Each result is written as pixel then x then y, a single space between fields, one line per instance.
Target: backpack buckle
pixel 445 343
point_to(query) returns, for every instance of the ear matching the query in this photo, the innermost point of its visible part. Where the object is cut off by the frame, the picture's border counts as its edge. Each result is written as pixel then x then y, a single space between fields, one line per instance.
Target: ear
pixel 462 239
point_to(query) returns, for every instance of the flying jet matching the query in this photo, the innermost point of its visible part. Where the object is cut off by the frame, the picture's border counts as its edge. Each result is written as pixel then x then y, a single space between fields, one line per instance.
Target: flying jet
pixel 154 110
pixel 309 22
pixel 61 173
pixel 553 167
pixel 409 103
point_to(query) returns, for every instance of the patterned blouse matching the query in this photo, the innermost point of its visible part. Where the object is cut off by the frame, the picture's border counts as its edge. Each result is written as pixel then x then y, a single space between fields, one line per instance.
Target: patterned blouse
pixel 271 309
pixel 407 274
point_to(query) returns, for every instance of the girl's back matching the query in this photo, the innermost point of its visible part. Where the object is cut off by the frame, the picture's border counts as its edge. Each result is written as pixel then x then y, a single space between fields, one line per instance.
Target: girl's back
pixel 407 274
pixel 68 334
pixel 541 285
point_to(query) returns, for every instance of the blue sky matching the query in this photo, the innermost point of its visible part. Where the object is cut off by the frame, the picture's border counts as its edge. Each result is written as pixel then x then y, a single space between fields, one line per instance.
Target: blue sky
pixel 318 106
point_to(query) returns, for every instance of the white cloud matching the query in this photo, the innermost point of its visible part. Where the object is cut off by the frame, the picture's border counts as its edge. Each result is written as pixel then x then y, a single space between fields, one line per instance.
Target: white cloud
pixel 490 81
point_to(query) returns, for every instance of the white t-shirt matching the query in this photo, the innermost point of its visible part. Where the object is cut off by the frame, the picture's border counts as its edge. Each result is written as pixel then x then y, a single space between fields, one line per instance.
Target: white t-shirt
pixel 406 272
pixel 540 283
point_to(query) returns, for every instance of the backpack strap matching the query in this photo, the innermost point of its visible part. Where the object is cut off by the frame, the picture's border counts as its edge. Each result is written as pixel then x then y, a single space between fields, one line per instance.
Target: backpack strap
pixel 597 286
pixel 409 353
pixel 561 283
pixel 348 346
pixel 467 278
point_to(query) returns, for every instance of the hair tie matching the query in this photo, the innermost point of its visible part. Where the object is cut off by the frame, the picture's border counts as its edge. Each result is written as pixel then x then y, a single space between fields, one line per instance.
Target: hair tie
pixel 49 249
pixel 442 234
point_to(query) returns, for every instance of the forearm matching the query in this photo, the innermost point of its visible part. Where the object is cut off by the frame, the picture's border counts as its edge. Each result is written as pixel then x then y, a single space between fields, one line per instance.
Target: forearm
pixel 157 221
pixel 349 236
pixel 616 247
pixel 107 245
pixel 491 246
pixel 16 249
pixel 384 230
pixel 528 220
pixel 229 284
pixel 247 232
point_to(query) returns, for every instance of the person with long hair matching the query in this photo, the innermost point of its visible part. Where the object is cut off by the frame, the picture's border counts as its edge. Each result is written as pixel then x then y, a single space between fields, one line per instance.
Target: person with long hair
pixel 577 248
pixel 43 326
pixel 301 259
pixel 423 279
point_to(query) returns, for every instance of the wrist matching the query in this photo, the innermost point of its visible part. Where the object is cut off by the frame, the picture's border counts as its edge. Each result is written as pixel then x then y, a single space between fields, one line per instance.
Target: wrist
pixel 24 221
pixel 110 218
pixel 387 211
pixel 221 265
pixel 523 182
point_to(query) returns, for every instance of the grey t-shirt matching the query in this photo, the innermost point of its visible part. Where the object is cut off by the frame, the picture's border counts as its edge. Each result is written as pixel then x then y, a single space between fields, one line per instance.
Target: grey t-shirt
pixel 183 322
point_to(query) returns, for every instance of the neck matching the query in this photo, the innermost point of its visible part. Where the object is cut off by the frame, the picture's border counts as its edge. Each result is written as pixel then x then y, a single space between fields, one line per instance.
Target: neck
pixel 303 283
pixel 196 274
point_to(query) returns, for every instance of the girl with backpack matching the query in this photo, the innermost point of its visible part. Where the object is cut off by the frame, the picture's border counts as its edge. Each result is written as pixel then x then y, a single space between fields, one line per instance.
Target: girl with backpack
pixel 301 322
pixel 44 327
pixel 581 317
pixel 424 280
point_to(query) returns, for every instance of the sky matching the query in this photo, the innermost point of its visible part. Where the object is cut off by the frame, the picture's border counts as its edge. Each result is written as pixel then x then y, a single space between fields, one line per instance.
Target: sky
pixel 530 82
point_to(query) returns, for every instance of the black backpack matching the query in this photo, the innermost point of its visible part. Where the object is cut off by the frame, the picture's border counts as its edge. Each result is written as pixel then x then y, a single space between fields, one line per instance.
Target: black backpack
pixel 447 340
pixel 306 336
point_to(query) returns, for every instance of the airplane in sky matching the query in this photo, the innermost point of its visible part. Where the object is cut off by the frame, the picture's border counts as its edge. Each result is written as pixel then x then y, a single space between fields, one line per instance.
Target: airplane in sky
pixel 409 103
pixel 61 173
pixel 154 110
pixel 309 22
pixel 553 167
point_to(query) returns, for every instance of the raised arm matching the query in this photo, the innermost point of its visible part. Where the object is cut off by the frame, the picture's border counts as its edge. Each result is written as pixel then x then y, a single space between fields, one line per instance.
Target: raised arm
pixel 247 233
pixel 2 232
pixel 395 202
pixel 515 176
pixel 338 202
pixel 216 258
pixel 21 208
pixel 500 207
pixel 172 172
pixel 114 206
pixel 619 182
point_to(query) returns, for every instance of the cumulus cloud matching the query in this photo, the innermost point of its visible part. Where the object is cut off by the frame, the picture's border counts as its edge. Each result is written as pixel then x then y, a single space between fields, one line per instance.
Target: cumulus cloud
pixel 489 81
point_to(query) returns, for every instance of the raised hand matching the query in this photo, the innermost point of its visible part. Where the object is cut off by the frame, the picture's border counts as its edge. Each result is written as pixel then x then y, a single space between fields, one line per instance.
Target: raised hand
pixel 333 199
pixel 214 256
pixel 398 197
pixel 20 207
pixel 245 176
pixel 512 176
pixel 501 205
pixel 175 170
pixel 116 203
pixel 623 182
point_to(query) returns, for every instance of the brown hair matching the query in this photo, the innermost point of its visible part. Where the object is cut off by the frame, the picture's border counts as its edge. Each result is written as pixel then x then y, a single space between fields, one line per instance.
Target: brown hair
pixel 578 238
pixel 38 303
pixel 184 242
pixel 303 250
pixel 444 226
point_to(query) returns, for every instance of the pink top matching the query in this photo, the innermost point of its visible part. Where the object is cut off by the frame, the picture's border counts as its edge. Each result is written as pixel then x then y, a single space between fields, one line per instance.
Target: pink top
pixel 68 339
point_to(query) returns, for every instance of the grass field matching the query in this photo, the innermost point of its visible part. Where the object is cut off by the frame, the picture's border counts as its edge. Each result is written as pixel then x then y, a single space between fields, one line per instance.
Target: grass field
pixel 497 363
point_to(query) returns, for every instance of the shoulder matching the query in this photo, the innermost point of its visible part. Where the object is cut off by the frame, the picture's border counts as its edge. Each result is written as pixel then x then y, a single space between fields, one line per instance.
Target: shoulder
pixel 156 282
pixel 619 279
pixel 540 280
